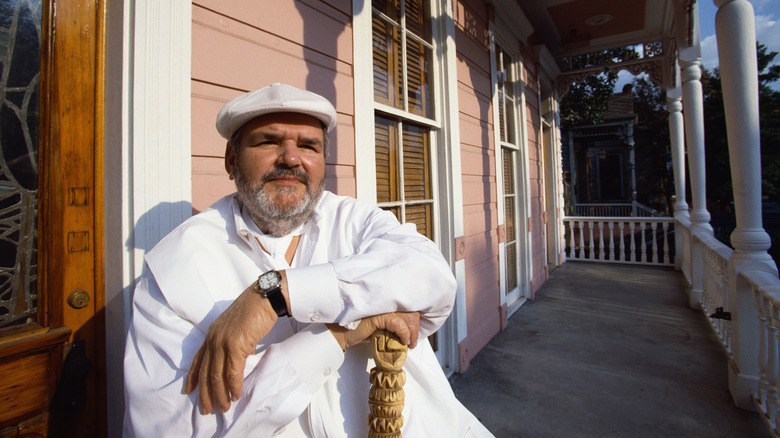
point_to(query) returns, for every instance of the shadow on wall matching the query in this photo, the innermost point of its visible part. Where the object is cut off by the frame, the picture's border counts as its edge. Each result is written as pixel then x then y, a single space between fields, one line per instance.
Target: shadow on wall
pixel 481 84
pixel 157 222
pixel 149 229
pixel 479 188
pixel 322 26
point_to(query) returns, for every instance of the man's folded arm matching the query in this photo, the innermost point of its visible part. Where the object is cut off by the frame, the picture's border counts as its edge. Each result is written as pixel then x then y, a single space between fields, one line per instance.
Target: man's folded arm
pixel 278 382
pixel 394 269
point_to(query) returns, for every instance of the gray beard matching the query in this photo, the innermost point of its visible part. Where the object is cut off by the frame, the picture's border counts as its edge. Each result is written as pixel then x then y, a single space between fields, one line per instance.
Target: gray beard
pixel 269 216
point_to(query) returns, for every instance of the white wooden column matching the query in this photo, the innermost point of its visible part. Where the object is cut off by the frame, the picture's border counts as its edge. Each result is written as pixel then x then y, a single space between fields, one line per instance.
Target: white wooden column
pixel 693 117
pixel 632 163
pixel 677 140
pixel 147 155
pixel 735 28
pixel 739 76
pixel 694 135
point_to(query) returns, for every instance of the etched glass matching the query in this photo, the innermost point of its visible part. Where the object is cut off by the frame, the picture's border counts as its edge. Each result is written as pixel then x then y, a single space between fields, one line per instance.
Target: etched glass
pixel 20 48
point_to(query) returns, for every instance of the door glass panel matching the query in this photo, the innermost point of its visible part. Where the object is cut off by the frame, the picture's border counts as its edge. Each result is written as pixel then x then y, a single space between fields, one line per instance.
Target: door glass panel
pixel 509 172
pixel 388 66
pixel 418 79
pixel 391 8
pixel 417 19
pixel 511 266
pixel 20 30
pixel 422 216
pixel 387 181
pixel 402 56
pixel 509 211
pixel 417 166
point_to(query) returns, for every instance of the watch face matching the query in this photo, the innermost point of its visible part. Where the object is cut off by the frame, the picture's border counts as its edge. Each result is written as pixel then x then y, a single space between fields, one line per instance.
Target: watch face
pixel 268 280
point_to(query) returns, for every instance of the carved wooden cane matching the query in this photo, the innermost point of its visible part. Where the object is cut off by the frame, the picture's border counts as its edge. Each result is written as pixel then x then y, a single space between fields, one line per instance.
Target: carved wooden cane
pixel 386 397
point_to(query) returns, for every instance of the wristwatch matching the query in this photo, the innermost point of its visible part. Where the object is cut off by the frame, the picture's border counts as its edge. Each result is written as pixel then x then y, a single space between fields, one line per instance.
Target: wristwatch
pixel 269 285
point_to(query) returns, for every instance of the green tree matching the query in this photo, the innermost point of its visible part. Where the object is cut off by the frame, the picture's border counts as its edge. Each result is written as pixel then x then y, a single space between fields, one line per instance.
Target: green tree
pixel 769 110
pixel 719 190
pixel 651 146
pixel 588 101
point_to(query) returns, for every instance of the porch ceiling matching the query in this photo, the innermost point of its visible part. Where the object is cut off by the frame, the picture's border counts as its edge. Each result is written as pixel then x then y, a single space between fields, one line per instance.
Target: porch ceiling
pixel 572 27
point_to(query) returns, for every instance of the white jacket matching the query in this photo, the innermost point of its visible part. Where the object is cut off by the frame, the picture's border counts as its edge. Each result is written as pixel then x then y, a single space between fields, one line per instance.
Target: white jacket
pixel 353 260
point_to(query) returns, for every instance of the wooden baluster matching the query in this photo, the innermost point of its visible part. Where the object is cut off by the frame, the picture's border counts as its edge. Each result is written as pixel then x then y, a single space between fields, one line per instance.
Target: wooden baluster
pixel 386 397
pixel 592 253
pixel 622 235
pixel 611 241
pixel 769 375
pixel 623 243
pixel 642 229
pixel 601 240
pixel 666 254
pixel 571 238
pixel 582 241
pixel 654 227
pixel 772 366
pixel 763 345
pixel 632 233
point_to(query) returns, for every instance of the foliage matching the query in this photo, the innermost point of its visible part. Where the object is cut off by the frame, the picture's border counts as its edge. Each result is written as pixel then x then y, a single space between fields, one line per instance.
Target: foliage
pixel 654 178
pixel 719 191
pixel 769 110
pixel 587 102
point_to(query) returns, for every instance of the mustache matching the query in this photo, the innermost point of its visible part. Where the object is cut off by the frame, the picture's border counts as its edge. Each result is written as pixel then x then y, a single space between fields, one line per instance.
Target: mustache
pixel 279 173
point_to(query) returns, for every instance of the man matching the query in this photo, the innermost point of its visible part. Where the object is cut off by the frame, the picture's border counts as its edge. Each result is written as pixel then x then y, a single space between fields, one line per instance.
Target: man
pixel 250 316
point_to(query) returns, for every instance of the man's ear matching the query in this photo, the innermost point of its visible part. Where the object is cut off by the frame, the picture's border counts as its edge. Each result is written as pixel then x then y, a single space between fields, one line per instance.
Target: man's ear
pixel 230 160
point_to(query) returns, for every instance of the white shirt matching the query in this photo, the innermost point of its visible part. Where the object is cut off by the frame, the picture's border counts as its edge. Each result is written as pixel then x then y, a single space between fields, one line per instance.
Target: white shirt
pixel 353 260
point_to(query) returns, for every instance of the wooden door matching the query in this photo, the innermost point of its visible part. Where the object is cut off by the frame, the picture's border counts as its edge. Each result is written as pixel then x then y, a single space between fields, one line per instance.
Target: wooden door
pixel 52 376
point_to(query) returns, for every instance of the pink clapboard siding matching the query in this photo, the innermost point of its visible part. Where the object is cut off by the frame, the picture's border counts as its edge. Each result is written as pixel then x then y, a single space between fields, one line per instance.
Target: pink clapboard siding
pixel 536 175
pixel 478 177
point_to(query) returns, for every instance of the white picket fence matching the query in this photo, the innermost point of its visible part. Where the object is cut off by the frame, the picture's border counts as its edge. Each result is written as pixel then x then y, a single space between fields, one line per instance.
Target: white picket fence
pixel 644 241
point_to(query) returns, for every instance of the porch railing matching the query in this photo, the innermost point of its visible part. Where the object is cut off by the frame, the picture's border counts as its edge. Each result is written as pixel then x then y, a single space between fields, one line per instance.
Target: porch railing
pixel 715 279
pixel 683 229
pixel 646 241
pixel 766 297
pixel 631 209
pixel 740 326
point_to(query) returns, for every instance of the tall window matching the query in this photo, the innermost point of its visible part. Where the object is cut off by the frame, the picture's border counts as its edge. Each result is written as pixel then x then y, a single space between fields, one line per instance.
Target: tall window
pixel 20 29
pixel 509 144
pixel 404 117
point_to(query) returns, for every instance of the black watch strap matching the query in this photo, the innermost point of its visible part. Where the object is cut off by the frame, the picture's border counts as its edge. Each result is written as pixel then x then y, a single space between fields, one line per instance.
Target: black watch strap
pixel 277 301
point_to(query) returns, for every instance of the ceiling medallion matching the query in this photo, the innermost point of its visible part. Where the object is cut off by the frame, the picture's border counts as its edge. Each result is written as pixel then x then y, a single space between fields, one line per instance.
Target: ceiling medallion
pixel 598 19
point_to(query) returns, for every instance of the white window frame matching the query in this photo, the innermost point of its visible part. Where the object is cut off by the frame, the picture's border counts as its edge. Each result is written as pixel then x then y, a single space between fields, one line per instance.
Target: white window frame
pixel 147 155
pixel 444 144
pixel 553 201
pixel 512 299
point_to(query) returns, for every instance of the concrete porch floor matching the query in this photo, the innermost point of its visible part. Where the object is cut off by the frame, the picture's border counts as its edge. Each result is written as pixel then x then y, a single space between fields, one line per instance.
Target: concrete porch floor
pixel 606 351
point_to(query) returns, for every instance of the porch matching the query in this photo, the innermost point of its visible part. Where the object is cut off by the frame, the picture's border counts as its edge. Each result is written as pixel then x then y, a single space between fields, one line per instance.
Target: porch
pixel 606 350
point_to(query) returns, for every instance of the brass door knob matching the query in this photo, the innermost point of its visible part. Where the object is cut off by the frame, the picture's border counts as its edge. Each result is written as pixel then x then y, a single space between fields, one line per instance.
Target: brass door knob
pixel 78 299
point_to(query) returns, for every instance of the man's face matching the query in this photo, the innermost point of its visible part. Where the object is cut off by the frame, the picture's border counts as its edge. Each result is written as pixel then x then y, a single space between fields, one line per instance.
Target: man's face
pixel 279 166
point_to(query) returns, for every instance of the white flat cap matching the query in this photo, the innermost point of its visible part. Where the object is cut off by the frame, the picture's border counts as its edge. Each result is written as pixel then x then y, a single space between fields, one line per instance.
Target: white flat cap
pixel 275 98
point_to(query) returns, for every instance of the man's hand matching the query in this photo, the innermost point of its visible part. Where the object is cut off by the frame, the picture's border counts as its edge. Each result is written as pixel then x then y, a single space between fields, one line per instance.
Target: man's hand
pixel 218 367
pixel 405 325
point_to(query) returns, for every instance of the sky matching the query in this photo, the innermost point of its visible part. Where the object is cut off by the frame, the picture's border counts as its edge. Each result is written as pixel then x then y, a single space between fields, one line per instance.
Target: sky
pixel 767 33
pixel 767 29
